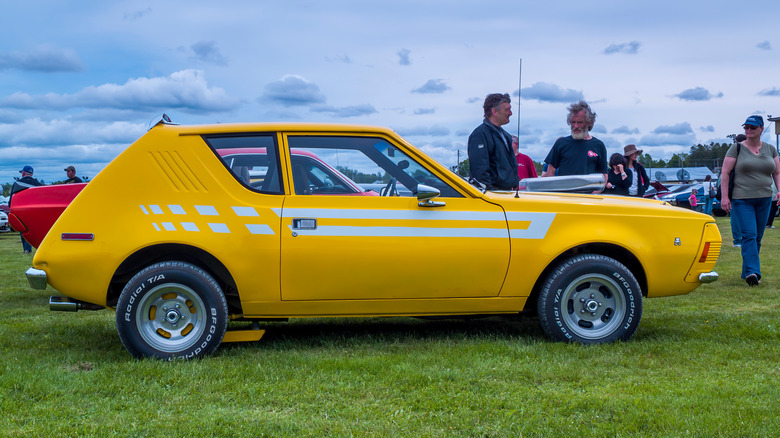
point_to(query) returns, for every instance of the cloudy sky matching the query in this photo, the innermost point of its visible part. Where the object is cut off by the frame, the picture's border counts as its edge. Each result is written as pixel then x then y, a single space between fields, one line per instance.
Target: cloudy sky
pixel 80 81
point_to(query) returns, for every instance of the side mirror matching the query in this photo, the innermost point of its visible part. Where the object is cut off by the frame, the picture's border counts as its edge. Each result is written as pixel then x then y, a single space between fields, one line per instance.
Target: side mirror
pixel 425 195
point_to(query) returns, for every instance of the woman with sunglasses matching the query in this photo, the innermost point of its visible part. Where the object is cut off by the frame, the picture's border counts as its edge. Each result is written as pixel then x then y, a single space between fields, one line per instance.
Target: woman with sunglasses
pixel 756 166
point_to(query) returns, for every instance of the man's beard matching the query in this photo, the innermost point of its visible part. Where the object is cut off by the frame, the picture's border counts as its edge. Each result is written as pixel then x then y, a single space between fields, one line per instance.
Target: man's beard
pixel 581 135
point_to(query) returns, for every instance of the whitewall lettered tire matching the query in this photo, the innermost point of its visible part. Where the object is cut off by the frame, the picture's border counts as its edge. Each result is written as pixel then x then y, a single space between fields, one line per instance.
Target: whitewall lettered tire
pixel 171 310
pixel 590 299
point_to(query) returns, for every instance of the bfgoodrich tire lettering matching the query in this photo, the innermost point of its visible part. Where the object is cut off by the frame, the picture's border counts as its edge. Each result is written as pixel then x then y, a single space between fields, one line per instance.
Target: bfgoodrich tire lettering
pixel 590 299
pixel 171 310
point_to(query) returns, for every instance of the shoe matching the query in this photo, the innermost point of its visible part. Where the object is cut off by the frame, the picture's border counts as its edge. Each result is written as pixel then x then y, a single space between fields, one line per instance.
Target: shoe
pixel 770 226
pixel 737 245
pixel 26 251
pixel 752 280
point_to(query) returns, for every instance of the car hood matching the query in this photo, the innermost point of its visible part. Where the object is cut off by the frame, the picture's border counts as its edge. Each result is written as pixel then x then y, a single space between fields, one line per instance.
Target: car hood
pixel 585 203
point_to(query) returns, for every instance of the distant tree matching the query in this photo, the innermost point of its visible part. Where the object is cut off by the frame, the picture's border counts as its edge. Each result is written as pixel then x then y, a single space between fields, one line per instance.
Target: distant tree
pixel 464 167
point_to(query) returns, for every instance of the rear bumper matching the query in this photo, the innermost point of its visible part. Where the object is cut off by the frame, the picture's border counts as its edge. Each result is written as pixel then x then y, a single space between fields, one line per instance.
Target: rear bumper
pixel 36 278
pixel 708 277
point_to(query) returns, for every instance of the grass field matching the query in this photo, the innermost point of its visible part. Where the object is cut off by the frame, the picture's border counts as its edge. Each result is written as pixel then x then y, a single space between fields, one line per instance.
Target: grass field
pixel 704 364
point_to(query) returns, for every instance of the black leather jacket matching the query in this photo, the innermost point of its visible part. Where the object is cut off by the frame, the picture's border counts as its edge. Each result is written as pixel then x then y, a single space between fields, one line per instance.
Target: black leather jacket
pixel 492 161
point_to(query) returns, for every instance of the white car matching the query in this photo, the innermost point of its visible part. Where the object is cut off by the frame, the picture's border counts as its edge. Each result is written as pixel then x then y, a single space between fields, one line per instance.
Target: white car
pixel 4 222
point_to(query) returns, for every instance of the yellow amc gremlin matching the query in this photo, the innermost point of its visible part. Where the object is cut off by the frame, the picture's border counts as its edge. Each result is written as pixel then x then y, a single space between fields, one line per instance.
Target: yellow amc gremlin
pixel 194 226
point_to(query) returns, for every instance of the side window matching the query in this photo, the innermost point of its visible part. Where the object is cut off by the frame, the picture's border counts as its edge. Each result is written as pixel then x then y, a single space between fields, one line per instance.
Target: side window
pixel 357 166
pixel 251 158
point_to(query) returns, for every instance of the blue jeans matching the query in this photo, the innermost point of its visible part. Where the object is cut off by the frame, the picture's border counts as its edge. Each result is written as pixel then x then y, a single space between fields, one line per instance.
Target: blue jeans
pixel 736 236
pixel 25 245
pixel 707 204
pixel 751 216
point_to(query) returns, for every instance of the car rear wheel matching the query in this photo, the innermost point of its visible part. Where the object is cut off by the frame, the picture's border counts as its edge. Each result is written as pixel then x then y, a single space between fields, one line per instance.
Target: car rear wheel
pixel 171 310
pixel 590 299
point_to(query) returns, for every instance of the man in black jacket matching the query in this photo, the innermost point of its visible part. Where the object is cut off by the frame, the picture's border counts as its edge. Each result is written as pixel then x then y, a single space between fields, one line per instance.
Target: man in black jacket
pixel 492 162
pixel 26 181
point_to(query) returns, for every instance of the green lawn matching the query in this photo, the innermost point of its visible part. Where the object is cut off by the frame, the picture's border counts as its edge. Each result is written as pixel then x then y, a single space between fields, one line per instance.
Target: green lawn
pixel 705 364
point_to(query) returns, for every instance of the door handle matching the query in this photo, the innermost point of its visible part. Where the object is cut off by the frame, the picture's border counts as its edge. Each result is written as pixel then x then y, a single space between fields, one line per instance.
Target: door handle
pixel 304 223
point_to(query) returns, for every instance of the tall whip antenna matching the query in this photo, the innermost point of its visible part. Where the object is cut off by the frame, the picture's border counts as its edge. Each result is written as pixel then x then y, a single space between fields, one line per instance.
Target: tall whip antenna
pixel 519 92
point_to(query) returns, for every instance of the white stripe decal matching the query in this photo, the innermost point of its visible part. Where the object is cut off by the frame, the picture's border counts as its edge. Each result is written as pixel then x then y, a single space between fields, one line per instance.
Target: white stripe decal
pixel 156 209
pixel 189 226
pixel 168 226
pixel 537 229
pixel 245 211
pixel 206 210
pixel 144 209
pixel 259 229
pixel 156 227
pixel 329 231
pixel 219 228
pixel 176 209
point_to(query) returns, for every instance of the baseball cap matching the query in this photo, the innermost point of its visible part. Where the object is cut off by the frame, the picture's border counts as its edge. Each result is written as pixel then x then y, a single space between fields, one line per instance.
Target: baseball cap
pixel 27 169
pixel 754 121
pixel 70 168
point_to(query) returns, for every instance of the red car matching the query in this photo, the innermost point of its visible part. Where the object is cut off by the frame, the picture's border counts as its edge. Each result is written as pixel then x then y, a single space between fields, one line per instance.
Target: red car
pixel 35 210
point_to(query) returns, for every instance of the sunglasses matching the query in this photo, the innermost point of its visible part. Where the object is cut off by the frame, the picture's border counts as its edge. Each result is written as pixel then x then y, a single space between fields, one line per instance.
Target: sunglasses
pixel 751 127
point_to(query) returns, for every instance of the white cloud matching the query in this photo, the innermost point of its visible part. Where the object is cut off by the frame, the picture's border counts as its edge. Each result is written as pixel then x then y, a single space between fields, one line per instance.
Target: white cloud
pixel 630 48
pixel 208 52
pixel 433 86
pixel 546 92
pixel 186 90
pixel 697 93
pixel 293 90
pixel 47 59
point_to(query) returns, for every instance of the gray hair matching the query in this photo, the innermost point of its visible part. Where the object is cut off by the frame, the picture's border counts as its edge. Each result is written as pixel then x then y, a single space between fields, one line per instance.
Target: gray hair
pixel 590 116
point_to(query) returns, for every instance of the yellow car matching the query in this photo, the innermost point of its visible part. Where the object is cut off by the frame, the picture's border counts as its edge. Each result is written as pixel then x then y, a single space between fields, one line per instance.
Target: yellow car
pixel 193 226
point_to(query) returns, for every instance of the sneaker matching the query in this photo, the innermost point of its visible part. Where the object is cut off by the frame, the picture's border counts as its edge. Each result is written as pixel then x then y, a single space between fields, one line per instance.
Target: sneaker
pixel 27 251
pixel 752 280
pixel 737 245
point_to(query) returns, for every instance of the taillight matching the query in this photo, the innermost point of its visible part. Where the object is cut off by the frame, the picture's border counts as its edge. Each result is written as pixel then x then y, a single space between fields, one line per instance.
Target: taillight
pixel 705 253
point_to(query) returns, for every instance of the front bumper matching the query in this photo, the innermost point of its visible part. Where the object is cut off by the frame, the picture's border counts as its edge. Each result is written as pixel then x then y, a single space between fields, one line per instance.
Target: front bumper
pixel 36 278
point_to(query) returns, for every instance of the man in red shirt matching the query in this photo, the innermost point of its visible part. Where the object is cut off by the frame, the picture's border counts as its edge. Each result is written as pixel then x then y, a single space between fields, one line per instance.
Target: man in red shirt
pixel 525 165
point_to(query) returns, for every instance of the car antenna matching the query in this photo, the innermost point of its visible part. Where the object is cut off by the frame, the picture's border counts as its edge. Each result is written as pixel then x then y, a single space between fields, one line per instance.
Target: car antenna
pixel 519 91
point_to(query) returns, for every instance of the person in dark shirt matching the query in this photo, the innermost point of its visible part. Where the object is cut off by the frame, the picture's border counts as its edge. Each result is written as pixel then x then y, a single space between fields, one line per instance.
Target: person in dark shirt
pixel 492 162
pixel 579 153
pixel 640 182
pixel 72 178
pixel 619 177
pixel 25 182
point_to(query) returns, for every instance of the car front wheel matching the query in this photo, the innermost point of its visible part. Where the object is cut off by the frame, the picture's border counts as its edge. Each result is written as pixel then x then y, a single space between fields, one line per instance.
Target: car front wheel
pixel 590 299
pixel 171 310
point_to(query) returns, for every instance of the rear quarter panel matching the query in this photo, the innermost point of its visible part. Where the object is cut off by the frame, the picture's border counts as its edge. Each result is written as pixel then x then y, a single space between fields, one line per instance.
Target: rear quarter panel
pixel 165 188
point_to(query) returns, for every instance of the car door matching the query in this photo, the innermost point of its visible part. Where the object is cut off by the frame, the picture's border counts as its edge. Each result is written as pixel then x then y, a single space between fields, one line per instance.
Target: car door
pixel 338 244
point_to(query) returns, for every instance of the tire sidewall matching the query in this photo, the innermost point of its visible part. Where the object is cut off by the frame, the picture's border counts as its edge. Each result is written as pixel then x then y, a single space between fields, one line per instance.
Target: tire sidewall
pixel 552 309
pixel 185 274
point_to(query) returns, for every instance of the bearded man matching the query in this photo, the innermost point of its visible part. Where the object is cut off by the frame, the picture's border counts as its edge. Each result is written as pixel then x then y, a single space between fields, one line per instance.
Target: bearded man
pixel 579 153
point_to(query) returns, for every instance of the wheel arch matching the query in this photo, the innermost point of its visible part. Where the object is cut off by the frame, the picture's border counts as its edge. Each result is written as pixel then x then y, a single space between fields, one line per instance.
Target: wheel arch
pixel 617 252
pixel 174 252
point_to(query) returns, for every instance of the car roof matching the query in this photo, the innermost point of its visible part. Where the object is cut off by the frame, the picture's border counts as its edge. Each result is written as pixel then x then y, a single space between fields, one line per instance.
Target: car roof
pixel 273 127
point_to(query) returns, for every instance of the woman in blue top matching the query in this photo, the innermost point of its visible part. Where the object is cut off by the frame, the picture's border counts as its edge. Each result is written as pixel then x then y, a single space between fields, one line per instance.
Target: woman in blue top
pixel 756 167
